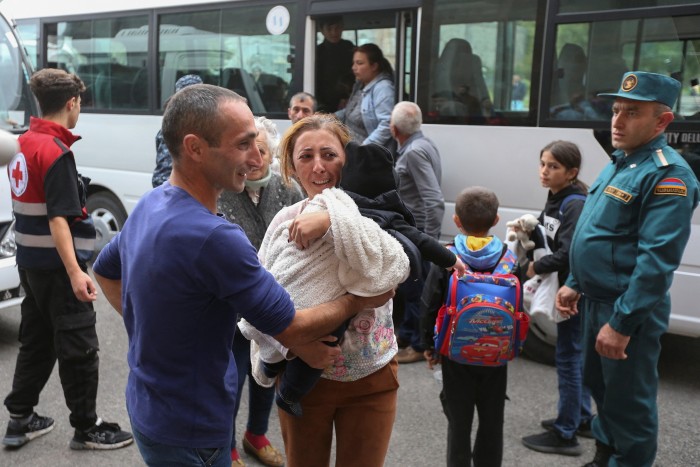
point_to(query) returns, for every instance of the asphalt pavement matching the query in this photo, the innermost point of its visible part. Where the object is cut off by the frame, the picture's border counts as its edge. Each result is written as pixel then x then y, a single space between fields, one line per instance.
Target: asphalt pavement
pixel 420 429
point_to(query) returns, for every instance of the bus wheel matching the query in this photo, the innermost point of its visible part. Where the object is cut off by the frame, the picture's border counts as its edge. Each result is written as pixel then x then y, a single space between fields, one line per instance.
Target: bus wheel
pixel 108 215
pixel 541 340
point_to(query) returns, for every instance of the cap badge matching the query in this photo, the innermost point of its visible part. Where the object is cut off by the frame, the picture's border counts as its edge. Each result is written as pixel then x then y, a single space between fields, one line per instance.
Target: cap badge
pixel 629 83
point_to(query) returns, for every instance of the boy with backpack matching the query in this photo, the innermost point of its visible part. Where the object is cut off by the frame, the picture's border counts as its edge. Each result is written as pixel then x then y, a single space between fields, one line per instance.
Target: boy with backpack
pixel 472 325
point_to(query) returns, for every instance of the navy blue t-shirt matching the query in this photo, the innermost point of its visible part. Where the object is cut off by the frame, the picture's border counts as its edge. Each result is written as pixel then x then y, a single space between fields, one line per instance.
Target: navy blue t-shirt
pixel 186 274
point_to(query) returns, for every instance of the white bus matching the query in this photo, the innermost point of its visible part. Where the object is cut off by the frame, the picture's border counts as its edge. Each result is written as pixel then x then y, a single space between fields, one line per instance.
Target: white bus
pixel 16 106
pixel 446 54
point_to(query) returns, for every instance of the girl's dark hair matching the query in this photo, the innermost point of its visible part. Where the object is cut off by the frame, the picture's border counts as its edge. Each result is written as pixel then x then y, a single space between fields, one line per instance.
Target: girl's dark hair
pixel 568 155
pixel 374 55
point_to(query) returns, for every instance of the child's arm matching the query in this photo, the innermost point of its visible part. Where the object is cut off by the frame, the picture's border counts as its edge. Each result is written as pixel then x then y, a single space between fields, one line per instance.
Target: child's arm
pixel 559 260
pixel 430 249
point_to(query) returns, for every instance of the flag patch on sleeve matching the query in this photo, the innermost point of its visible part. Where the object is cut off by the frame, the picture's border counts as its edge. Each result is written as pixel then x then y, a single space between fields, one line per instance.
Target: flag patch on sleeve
pixel 671 186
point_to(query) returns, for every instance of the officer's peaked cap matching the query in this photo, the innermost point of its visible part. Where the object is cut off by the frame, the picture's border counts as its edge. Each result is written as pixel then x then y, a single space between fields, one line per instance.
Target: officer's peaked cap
pixel 648 87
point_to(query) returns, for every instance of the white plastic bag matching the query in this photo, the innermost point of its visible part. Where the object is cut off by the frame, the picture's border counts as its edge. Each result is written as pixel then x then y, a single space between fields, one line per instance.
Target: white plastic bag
pixel 539 292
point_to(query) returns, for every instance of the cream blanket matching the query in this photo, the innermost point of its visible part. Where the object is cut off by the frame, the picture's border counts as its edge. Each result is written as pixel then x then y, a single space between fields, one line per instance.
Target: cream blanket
pixel 356 257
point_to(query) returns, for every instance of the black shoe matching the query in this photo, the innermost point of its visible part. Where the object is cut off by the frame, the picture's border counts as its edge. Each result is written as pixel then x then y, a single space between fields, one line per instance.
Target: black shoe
pixel 552 443
pixel 102 435
pixel 584 429
pixel 603 453
pixel 289 406
pixel 20 433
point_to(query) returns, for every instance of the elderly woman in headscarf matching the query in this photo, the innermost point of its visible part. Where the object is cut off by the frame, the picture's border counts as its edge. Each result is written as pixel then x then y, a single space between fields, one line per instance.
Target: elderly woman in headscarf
pixel 253 209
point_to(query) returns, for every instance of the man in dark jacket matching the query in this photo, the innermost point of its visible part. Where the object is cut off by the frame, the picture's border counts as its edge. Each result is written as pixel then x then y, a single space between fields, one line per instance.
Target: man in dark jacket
pixel 334 77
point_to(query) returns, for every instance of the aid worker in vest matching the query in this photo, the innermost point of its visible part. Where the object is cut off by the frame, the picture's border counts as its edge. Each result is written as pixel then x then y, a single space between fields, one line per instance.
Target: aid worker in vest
pixel 55 239
pixel 628 242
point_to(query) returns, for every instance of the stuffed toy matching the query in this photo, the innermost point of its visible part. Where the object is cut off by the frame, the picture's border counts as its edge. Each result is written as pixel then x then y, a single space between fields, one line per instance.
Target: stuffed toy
pixel 520 230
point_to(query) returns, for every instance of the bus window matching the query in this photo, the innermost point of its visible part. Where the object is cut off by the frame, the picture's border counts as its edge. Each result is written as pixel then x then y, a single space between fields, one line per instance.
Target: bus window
pixel 109 55
pixel 334 77
pixel 569 99
pixel 29 32
pixel 15 102
pixel 577 6
pixel 593 56
pixel 477 61
pixel 231 48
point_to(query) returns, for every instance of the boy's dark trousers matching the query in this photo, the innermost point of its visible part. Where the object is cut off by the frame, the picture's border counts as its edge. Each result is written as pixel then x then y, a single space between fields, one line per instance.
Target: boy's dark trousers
pixel 55 326
pixel 466 387
pixel 298 377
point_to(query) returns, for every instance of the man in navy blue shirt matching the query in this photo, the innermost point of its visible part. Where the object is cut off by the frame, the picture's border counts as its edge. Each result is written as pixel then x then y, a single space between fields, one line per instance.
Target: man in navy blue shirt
pixel 180 275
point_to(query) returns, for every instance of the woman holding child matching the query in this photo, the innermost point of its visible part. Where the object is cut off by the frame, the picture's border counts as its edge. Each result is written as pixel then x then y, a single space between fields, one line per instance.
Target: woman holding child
pixel 560 162
pixel 357 393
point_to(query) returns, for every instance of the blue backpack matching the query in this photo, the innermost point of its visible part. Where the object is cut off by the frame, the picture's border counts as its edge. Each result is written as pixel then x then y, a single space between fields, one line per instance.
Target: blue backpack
pixel 481 322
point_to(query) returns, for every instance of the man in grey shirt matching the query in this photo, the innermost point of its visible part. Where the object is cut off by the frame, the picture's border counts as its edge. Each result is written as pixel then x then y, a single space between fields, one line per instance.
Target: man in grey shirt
pixel 420 173
pixel 419 169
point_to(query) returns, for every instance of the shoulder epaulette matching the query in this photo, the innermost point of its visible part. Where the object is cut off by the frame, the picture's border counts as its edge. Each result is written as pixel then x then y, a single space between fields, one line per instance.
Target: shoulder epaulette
pixel 663 157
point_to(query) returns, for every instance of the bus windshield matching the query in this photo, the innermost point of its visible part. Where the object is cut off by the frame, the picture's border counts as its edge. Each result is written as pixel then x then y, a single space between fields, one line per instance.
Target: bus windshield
pixel 15 103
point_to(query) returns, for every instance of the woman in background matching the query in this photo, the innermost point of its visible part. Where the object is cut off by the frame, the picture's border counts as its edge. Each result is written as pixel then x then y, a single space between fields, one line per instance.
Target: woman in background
pixel 369 107
pixel 253 209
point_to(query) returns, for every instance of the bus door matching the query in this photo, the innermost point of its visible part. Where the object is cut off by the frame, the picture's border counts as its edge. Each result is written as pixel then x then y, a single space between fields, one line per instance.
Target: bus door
pixel 339 27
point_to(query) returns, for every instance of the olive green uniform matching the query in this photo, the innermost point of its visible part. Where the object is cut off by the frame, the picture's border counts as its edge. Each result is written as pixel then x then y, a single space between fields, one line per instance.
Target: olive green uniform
pixel 628 242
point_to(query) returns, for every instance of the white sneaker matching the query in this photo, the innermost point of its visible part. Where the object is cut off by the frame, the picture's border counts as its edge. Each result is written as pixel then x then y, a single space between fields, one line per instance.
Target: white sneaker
pixel 256 367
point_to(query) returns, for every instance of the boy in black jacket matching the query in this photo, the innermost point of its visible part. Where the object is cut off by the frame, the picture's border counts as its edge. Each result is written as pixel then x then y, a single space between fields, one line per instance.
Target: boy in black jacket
pixel 466 387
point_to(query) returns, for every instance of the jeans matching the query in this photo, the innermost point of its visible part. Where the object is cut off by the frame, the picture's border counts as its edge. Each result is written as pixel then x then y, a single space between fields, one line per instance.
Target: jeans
pixel 259 398
pixel 156 454
pixel 409 330
pixel 574 398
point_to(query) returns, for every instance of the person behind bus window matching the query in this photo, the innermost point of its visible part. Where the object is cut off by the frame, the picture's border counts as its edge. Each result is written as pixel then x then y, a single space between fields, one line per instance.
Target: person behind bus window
pixel 459 73
pixel 264 195
pixel 560 163
pixel 272 88
pixel 518 93
pixel 369 107
pixel 55 239
pixel 334 76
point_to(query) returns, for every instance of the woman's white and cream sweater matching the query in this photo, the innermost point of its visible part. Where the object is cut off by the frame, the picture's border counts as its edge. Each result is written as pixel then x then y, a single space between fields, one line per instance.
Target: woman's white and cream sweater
pixel 355 256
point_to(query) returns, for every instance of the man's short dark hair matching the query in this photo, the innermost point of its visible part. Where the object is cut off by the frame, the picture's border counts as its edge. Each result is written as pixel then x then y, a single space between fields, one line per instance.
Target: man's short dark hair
pixel 302 97
pixel 477 208
pixel 330 20
pixel 53 88
pixel 195 110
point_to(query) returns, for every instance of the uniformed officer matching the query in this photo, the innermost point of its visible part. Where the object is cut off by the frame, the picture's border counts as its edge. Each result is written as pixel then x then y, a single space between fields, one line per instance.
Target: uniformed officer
pixel 629 240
